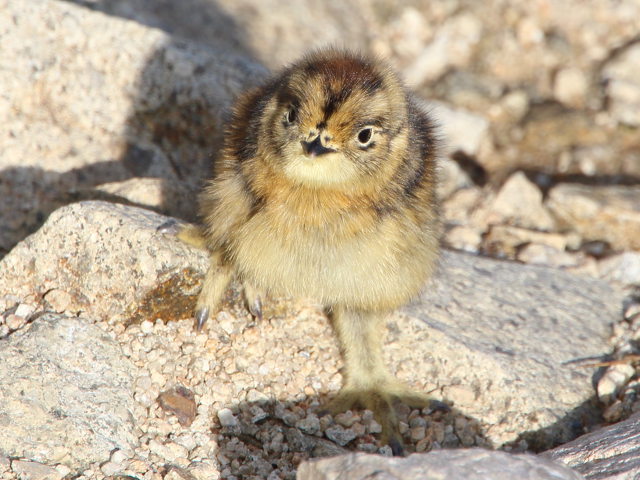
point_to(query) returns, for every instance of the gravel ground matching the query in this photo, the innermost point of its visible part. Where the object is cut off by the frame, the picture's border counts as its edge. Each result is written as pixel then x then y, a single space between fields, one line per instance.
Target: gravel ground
pixel 206 408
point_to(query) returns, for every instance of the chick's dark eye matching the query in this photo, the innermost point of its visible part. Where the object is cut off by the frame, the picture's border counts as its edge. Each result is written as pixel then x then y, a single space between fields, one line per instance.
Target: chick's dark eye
pixel 291 115
pixel 364 135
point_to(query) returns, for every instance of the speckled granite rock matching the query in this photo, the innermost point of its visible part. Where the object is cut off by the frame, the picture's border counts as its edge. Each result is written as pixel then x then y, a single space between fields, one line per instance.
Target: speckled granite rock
pixel 499 338
pixel 611 453
pixel 96 99
pixel 105 259
pixel 65 393
pixel 473 464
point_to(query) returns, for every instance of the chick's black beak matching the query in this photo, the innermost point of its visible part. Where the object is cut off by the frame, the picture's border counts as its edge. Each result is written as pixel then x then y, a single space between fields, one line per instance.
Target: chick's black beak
pixel 315 147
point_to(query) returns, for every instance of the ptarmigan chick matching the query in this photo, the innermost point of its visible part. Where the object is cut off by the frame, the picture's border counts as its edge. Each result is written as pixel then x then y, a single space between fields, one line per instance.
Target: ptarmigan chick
pixel 325 189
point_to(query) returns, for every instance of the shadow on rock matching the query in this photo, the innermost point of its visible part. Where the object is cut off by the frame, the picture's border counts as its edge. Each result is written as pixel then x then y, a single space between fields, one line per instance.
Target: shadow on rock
pixel 201 21
pixel 184 91
pixel 574 423
pixel 174 127
pixel 256 438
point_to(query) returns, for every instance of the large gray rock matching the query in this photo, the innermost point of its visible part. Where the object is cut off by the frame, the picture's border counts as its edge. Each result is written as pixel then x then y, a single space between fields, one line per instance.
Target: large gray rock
pixel 472 464
pixel 499 339
pixel 611 453
pixel 108 260
pixel 97 99
pixel 65 393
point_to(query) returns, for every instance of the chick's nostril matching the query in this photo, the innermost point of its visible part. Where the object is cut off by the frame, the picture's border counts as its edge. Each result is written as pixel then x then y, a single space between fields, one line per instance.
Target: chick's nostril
pixel 306 146
pixel 315 147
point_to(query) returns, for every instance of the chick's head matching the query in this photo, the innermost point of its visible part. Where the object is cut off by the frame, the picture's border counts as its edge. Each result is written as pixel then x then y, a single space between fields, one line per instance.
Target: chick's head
pixel 335 120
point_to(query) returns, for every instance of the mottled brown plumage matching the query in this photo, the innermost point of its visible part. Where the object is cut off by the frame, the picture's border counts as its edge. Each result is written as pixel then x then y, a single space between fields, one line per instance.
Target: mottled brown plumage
pixel 326 189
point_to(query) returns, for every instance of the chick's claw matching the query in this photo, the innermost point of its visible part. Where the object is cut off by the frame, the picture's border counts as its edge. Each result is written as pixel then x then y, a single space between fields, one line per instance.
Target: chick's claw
pixel 170 227
pixel 256 308
pixel 202 315
pixel 254 300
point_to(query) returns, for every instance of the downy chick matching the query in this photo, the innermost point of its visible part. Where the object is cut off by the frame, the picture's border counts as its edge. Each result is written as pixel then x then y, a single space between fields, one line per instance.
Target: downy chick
pixel 325 189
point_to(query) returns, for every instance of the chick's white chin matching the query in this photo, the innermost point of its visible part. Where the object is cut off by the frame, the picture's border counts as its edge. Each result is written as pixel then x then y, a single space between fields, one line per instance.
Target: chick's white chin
pixel 325 170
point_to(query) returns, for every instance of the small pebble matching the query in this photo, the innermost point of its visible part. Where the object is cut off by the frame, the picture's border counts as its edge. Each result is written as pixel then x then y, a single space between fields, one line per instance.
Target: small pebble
pixel 204 471
pixel 63 470
pixel 423 445
pixel 326 421
pixel 146 327
pixel 227 322
pixel 290 418
pixel 226 417
pixel 258 414
pixel 174 474
pixel 386 451
pixel 359 429
pixel 309 425
pixel 255 396
pixel 632 311
pixel 417 422
pixel 118 456
pixel 368 447
pixel 110 468
pixel 179 401
pixel 14 322
pixel 374 427
pixel 340 435
pixel 417 433
pixel 25 310
pixel 614 412
pixel 346 419
pixel 612 381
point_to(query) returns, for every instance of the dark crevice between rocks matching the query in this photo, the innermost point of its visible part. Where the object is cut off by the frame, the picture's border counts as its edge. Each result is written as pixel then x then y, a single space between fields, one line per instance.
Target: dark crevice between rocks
pixel 580 420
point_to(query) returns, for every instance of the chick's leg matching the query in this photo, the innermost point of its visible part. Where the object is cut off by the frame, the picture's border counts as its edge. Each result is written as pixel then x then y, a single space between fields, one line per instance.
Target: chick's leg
pixel 214 285
pixel 218 275
pixel 367 382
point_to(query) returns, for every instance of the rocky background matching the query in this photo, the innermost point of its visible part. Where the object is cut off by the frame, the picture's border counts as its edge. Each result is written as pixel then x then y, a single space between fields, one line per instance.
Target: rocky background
pixel 111 113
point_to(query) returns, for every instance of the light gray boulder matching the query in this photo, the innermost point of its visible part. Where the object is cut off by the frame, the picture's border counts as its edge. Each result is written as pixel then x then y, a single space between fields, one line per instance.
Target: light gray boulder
pixel 95 100
pixel 65 393
pixel 105 260
pixel 611 453
pixel 503 340
pixel 472 464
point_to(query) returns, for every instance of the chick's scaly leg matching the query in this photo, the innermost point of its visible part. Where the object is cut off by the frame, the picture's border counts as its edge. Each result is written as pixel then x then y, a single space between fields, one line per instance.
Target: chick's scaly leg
pixel 218 275
pixel 367 382
pixel 214 285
